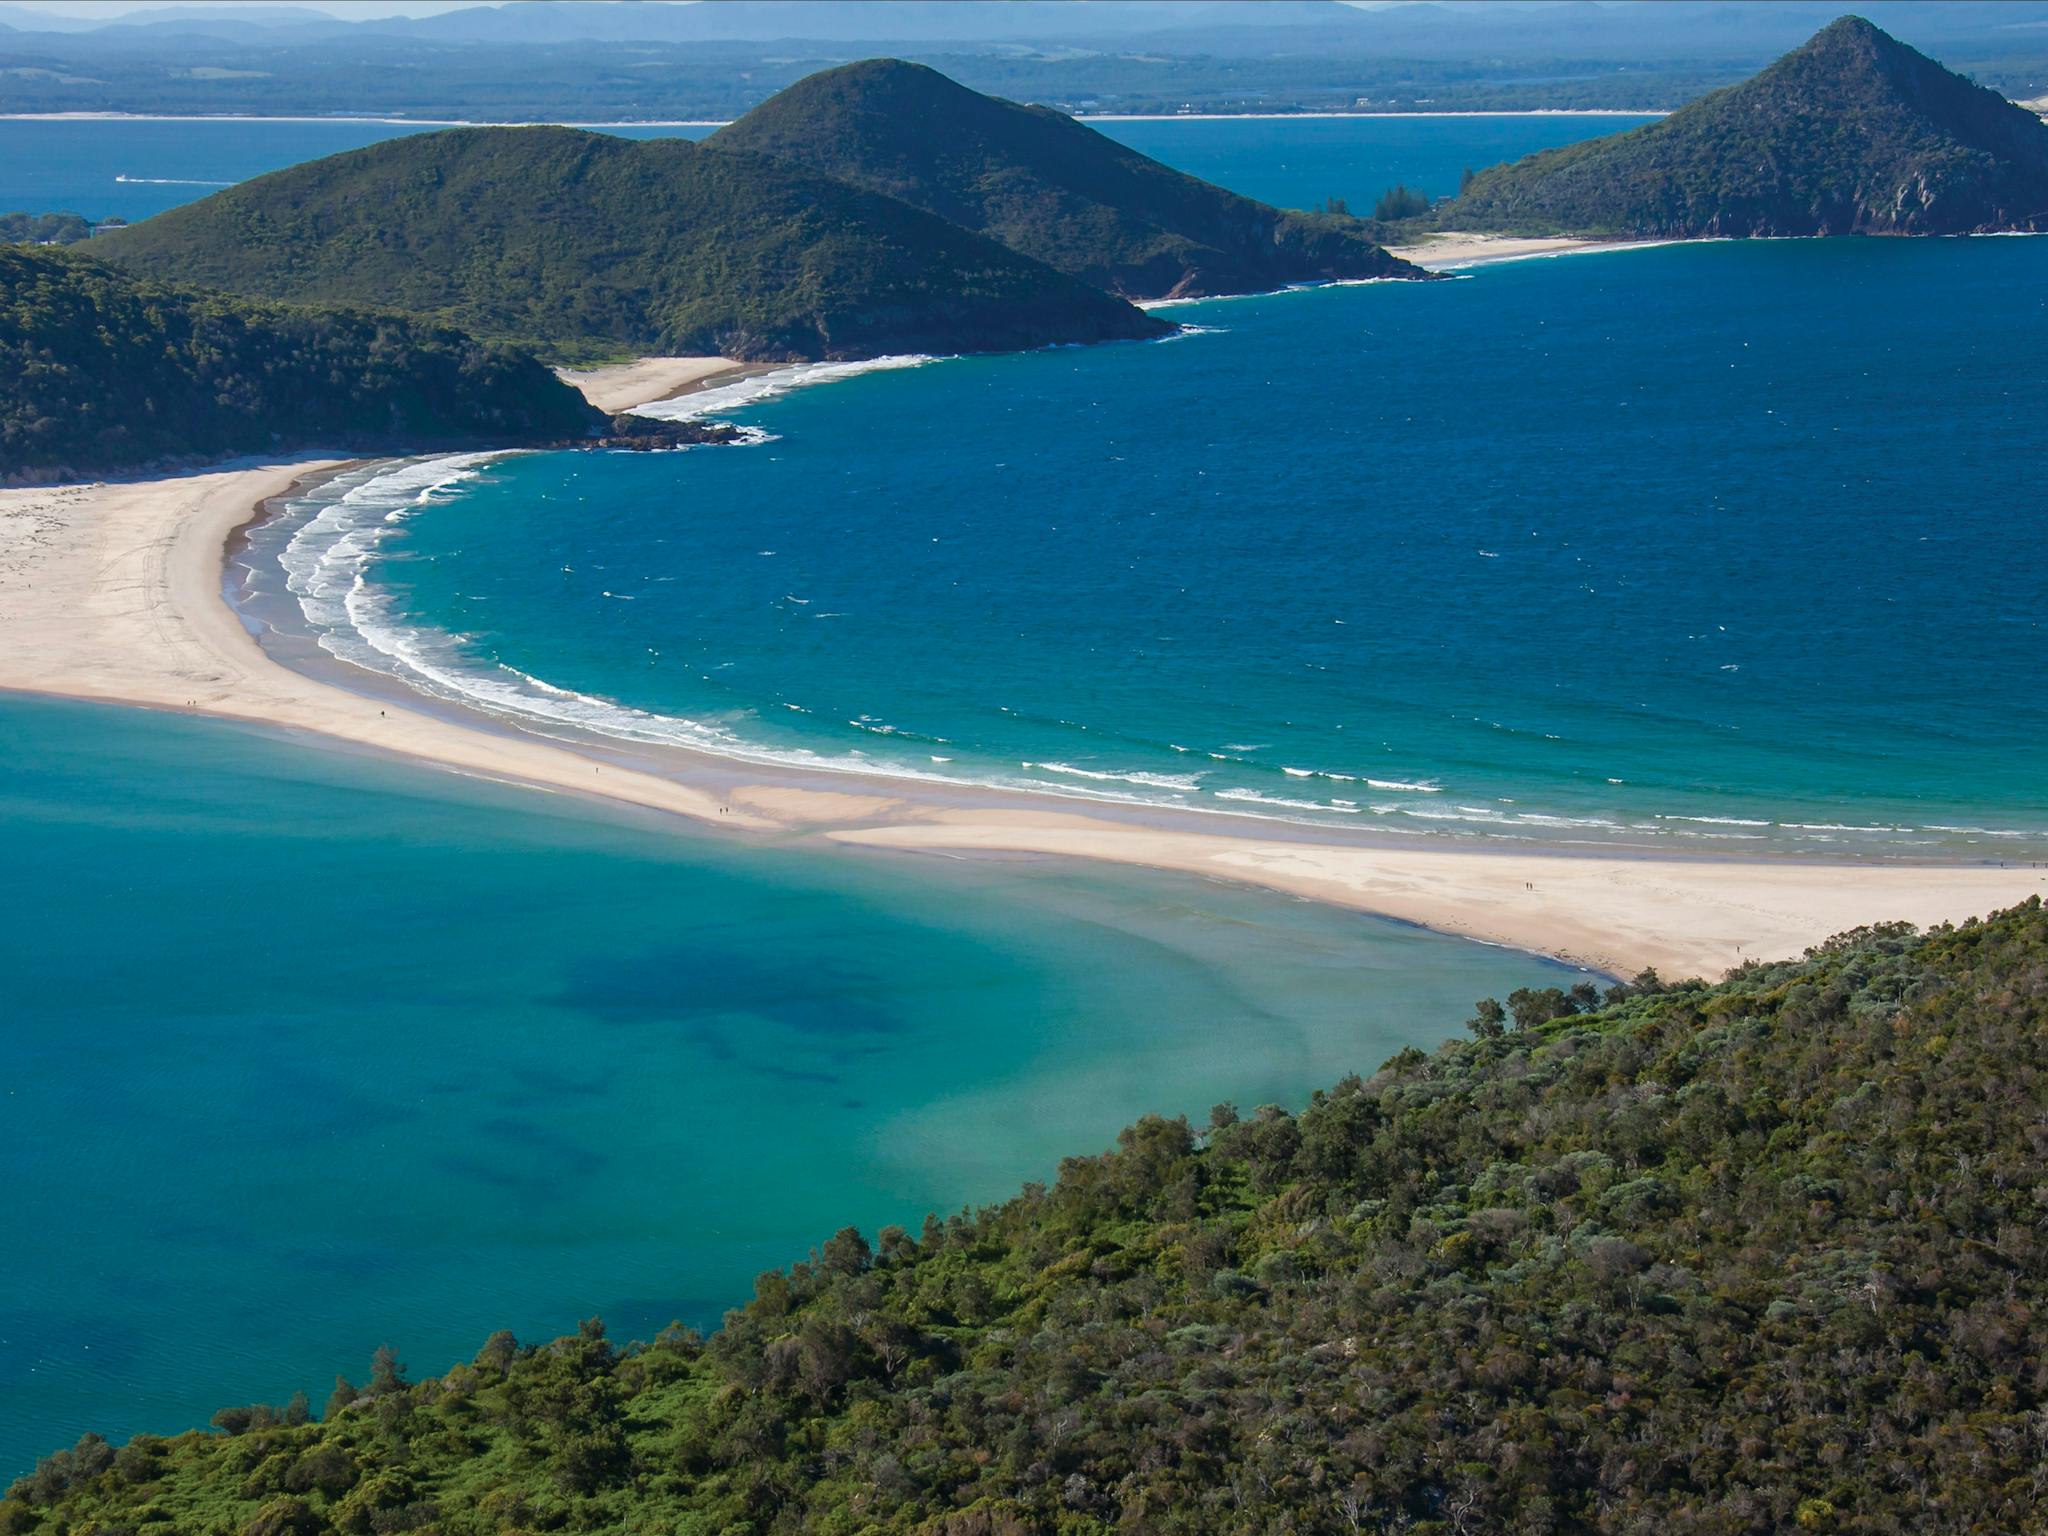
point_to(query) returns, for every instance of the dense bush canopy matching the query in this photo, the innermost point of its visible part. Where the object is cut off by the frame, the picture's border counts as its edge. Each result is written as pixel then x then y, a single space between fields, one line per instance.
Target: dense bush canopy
pixel 105 372
pixel 1755 1257
pixel 44 228
pixel 1854 133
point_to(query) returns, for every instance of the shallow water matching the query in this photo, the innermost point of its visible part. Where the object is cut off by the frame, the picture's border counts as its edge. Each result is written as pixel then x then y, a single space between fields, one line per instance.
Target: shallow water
pixel 304 1052
pixel 1725 547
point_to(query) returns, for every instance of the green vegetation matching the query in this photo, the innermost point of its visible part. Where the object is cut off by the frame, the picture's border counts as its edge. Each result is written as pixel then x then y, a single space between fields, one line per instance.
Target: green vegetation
pixel 1755 1257
pixel 1854 133
pixel 1401 201
pixel 1048 186
pixel 43 229
pixel 593 246
pixel 105 372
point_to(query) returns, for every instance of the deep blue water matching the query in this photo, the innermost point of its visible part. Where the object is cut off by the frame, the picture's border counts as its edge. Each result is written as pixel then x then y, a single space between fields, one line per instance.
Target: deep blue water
pixel 305 1052
pixel 133 169
pixel 1716 547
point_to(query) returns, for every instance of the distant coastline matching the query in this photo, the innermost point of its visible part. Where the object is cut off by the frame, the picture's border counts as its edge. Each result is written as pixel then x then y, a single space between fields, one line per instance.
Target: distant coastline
pixel 701 122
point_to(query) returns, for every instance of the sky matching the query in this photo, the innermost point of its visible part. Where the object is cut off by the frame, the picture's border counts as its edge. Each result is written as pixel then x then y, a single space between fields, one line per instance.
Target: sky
pixel 104 10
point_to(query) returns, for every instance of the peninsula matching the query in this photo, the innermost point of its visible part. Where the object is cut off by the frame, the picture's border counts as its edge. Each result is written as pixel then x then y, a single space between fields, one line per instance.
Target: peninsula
pixel 589 247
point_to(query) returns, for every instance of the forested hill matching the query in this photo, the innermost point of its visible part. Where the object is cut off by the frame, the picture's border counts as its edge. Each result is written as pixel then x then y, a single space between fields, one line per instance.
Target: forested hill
pixel 592 246
pixel 1048 186
pixel 1757 1257
pixel 1854 133
pixel 104 372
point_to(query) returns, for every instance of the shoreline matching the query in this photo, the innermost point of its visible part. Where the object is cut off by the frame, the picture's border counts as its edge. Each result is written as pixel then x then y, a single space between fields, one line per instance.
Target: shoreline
pixel 1452 251
pixel 618 387
pixel 115 593
pixel 708 122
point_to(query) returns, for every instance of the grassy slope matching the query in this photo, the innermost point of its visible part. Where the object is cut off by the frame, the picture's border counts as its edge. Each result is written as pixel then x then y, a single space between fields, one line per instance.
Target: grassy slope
pixel 593 245
pixel 1852 133
pixel 108 372
pixel 1756 1257
pixel 1048 186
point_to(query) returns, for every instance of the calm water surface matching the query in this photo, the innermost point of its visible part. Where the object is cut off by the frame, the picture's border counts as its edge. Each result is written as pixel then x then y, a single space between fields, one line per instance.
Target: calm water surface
pixel 304 1052
pixel 134 169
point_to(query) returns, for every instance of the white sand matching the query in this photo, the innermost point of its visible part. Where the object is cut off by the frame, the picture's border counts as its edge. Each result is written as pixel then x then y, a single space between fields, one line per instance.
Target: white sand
pixel 1686 917
pixel 1441 253
pixel 113 592
pixel 622 386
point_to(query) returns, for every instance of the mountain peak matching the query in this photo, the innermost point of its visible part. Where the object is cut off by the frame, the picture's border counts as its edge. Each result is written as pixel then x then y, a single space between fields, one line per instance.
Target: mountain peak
pixel 1853 132
pixel 1047 186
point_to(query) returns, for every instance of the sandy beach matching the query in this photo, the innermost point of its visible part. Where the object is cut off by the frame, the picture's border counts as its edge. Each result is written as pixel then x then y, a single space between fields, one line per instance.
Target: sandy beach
pixel 1445 252
pixel 621 386
pixel 114 592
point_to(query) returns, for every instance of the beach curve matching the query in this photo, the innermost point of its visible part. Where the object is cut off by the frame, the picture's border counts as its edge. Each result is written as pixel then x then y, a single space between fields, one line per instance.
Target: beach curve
pixel 115 593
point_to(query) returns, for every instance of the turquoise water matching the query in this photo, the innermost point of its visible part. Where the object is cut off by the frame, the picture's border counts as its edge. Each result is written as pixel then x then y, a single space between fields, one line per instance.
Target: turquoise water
pixel 134 169
pixel 305 1052
pixel 1723 547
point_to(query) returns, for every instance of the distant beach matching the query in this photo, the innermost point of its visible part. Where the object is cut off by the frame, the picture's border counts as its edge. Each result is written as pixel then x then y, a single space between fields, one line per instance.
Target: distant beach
pixel 1442 253
pixel 114 592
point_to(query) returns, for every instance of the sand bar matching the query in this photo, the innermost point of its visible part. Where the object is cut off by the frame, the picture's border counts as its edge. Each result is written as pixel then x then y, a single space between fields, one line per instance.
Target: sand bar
pixel 114 592
pixel 621 386
pixel 1441 253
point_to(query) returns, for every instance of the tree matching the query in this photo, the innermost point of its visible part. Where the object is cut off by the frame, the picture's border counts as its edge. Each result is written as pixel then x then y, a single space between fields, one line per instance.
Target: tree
pixel 1401 201
pixel 343 1396
pixel 387 1374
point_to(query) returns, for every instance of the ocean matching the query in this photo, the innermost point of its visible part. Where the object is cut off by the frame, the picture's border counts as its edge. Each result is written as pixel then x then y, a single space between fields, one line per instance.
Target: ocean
pixel 132 168
pixel 305 1052
pixel 1723 547
pixel 1705 548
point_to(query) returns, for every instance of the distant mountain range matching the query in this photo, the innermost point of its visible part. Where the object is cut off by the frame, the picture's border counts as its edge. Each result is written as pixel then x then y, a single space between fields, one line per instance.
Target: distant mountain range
pixel 1049 187
pixel 541 60
pixel 1618 29
pixel 1853 133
